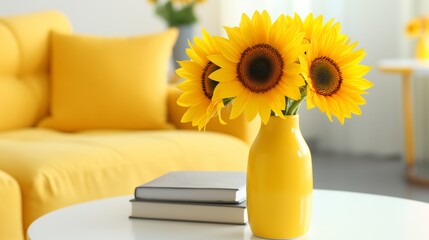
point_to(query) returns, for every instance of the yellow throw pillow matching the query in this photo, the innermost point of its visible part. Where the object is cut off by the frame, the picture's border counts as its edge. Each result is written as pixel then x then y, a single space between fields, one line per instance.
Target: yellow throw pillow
pixel 109 83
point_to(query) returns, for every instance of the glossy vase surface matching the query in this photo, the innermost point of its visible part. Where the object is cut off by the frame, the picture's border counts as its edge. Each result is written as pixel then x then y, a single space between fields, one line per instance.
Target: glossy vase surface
pixel 279 181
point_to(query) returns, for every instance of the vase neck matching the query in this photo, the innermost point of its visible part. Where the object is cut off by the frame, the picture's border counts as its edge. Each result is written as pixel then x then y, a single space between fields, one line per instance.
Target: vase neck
pixel 282 124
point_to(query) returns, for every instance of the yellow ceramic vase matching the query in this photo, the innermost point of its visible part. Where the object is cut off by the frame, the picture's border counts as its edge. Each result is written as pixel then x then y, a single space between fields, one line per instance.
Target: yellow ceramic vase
pixel 279 181
pixel 422 47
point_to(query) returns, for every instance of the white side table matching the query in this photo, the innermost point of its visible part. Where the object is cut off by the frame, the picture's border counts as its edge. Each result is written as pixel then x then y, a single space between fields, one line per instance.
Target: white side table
pixel 336 216
pixel 406 68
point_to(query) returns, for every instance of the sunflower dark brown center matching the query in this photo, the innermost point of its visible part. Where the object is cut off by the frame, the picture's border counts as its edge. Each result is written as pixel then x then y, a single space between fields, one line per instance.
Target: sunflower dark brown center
pixel 260 68
pixel 208 84
pixel 325 76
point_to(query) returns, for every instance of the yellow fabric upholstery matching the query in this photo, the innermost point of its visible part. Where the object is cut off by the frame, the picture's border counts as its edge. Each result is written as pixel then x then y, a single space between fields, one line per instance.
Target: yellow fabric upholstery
pixel 10 208
pixel 24 65
pixel 45 169
pixel 110 83
pixel 238 127
pixel 58 169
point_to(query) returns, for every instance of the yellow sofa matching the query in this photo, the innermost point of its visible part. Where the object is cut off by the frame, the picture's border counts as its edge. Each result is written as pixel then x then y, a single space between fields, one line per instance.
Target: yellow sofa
pixel 43 169
pixel 10 208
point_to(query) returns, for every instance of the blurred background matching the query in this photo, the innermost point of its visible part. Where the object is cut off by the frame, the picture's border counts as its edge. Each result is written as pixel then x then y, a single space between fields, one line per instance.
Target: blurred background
pixel 367 153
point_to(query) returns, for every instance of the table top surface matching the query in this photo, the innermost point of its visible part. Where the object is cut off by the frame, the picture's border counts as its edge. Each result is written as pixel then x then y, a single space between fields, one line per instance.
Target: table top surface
pixel 336 215
pixel 405 66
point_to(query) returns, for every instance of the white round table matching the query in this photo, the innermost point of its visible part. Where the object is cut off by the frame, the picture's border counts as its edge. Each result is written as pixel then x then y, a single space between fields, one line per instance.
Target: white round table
pixel 337 215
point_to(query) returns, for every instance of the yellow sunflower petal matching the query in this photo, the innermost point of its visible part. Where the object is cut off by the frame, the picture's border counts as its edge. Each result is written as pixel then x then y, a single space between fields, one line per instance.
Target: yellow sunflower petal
pixel 253 109
pixel 223 75
pixel 239 105
pixel 190 66
pixel 195 56
pixel 355 71
pixel 188 85
pixel 360 83
pixel 309 100
pixel 247 29
pixel 228 90
pixel 186 74
pixel 234 35
pixel 220 61
pixel 210 42
pixel 228 51
pixel 264 112
pixel 189 98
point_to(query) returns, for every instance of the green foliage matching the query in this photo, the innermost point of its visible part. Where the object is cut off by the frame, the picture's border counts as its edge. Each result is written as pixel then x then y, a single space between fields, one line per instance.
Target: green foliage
pixel 176 16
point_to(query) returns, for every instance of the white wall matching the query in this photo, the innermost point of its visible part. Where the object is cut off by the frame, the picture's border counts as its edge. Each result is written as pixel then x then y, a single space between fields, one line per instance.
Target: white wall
pixel 111 17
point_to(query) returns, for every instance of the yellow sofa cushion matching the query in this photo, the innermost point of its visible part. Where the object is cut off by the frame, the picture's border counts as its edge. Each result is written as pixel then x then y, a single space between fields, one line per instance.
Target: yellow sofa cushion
pixel 24 66
pixel 109 83
pixel 10 208
pixel 56 169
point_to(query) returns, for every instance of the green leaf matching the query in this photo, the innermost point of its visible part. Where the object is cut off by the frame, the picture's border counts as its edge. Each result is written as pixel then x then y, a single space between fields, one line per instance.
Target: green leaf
pixel 175 17
pixel 227 101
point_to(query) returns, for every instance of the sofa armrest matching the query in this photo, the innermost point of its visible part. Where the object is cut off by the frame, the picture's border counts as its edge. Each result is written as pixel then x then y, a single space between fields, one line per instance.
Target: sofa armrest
pixel 10 208
pixel 238 127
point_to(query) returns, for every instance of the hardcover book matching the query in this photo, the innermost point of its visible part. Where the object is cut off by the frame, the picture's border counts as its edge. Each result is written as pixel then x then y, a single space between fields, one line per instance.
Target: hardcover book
pixel 195 186
pixel 188 211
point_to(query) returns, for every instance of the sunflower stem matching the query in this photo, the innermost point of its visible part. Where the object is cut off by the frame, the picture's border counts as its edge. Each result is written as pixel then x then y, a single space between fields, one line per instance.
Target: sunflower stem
pixel 294 107
pixel 296 110
pixel 287 106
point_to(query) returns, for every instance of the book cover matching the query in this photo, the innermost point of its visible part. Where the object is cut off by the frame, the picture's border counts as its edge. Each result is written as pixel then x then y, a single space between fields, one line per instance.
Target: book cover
pixel 187 211
pixel 195 186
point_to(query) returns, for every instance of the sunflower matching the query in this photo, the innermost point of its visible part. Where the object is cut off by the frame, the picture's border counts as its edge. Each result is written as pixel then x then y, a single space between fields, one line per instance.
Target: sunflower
pixel 334 76
pixel 258 66
pixel 313 26
pixel 198 87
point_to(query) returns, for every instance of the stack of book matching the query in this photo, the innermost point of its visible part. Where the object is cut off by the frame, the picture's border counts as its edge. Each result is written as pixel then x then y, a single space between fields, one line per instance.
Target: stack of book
pixel 193 196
